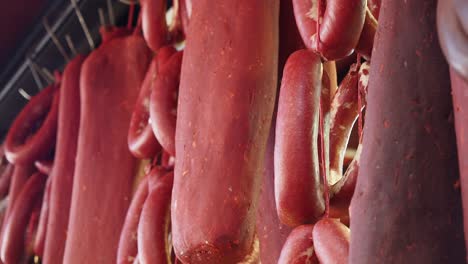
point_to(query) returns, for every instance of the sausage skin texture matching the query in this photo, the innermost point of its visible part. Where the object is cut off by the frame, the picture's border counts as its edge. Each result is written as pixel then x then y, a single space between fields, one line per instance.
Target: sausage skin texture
pixel 232 81
pixel 331 241
pixel 41 231
pixel 154 225
pixel 298 186
pixel 23 145
pixel 299 247
pixel 104 168
pixel 405 208
pixel 163 103
pixel 366 40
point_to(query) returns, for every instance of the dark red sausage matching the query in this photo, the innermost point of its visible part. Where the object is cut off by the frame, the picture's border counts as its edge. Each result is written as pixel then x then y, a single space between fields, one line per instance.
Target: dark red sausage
pixel 220 153
pixel 366 40
pixel 33 132
pixel 163 103
pixel 298 189
pixel 406 207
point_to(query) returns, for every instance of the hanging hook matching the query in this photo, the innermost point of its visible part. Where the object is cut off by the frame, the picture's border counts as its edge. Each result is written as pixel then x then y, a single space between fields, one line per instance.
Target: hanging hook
pixel 55 39
pixel 83 25
pixel 24 94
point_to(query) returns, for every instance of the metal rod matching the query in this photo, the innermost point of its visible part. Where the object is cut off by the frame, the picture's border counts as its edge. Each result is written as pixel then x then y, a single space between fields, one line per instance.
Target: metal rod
pixel 55 39
pixel 70 44
pixel 35 75
pixel 102 19
pixel 83 25
pixel 110 12
pixel 24 94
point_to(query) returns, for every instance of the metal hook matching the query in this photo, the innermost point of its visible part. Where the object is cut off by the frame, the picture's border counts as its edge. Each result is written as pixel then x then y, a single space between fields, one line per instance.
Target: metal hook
pixel 23 93
pixel 83 24
pixel 55 39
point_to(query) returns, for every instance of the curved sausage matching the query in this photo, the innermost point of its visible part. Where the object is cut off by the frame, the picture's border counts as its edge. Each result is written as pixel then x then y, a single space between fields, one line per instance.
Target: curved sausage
pixel 299 247
pixel 128 245
pixel 154 225
pixel 18 219
pixel 40 236
pixel 33 132
pixel 163 103
pixel 331 241
pixel 298 188
pixel 155 29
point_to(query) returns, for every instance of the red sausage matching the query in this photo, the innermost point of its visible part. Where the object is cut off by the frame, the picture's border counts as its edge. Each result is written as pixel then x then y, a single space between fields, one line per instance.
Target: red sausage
pixel 64 162
pixel 13 236
pixel 104 168
pixel 128 246
pixel 33 132
pixel 366 40
pixel 141 140
pixel 153 16
pixel 226 101
pixel 298 188
pixel 39 239
pixel 44 166
pixel 331 241
pixel 299 247
pixel 163 103
pixel 344 113
pixel 154 225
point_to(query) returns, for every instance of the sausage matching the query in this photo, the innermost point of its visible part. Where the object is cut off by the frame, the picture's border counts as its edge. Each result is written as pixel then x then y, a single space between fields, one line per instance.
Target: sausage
pixel 64 162
pixel 298 189
pixel 41 231
pixel 33 132
pixel 128 246
pixel 104 167
pixel 163 103
pixel 222 128
pixel 15 227
pixel 331 241
pixel 340 29
pixel 366 40
pixel 155 30
pixel 299 247
pixel 154 225
pixel 408 167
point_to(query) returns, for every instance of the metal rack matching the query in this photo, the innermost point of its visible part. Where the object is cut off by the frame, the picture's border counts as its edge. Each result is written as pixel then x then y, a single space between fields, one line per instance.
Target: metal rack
pixel 23 75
